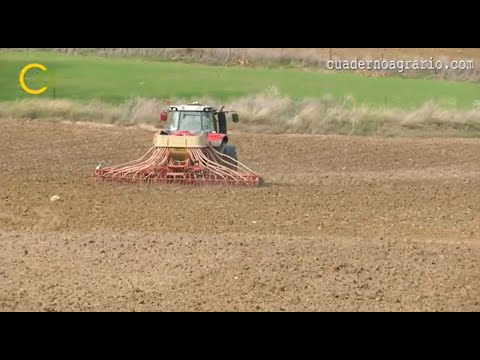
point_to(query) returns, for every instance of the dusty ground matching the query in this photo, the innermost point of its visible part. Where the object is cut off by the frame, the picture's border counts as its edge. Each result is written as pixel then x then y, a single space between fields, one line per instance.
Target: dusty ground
pixel 343 224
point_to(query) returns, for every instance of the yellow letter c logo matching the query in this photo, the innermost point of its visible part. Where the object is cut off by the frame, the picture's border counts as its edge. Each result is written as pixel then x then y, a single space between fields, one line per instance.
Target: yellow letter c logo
pixel 21 79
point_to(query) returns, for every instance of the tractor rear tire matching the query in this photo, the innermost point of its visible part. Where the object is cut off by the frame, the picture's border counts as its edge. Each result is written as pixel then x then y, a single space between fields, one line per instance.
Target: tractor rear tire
pixel 231 151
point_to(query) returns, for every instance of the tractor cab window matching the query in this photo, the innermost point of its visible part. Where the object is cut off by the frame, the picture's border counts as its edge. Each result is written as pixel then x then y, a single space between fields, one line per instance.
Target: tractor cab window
pixel 193 121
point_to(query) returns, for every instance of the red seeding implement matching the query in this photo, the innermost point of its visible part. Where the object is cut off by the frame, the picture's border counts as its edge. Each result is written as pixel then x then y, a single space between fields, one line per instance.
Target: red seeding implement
pixel 193 151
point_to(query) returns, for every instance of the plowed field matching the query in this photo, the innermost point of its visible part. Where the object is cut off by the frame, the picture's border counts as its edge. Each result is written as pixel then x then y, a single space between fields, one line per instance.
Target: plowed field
pixel 342 224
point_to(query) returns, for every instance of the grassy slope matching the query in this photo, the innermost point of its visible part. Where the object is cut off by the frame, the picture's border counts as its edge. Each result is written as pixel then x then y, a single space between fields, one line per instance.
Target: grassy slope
pixel 113 80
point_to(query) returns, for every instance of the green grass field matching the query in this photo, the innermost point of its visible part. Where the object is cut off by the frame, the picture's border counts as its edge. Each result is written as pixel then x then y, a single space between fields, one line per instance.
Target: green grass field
pixel 84 78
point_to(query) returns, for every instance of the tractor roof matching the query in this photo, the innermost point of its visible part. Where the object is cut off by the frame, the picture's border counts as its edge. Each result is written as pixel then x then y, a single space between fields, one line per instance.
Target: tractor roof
pixel 195 106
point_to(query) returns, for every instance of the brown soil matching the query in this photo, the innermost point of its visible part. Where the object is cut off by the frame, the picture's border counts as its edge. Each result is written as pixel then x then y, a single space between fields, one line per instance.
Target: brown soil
pixel 342 224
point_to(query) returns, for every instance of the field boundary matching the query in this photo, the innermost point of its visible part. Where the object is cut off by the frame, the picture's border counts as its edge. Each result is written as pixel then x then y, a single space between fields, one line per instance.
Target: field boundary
pixel 267 114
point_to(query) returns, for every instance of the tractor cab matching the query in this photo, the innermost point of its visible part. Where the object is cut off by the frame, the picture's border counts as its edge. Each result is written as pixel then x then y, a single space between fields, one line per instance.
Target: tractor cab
pixel 193 121
pixel 197 118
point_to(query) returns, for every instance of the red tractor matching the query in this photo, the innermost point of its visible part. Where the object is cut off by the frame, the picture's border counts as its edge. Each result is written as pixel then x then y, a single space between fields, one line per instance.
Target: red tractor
pixel 195 119
pixel 194 150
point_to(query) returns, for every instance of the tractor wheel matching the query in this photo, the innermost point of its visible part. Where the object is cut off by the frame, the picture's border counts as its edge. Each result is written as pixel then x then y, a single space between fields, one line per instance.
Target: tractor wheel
pixel 231 151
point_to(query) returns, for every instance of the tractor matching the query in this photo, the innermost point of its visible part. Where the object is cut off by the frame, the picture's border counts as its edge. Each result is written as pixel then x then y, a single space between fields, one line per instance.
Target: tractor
pixel 196 119
pixel 194 149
